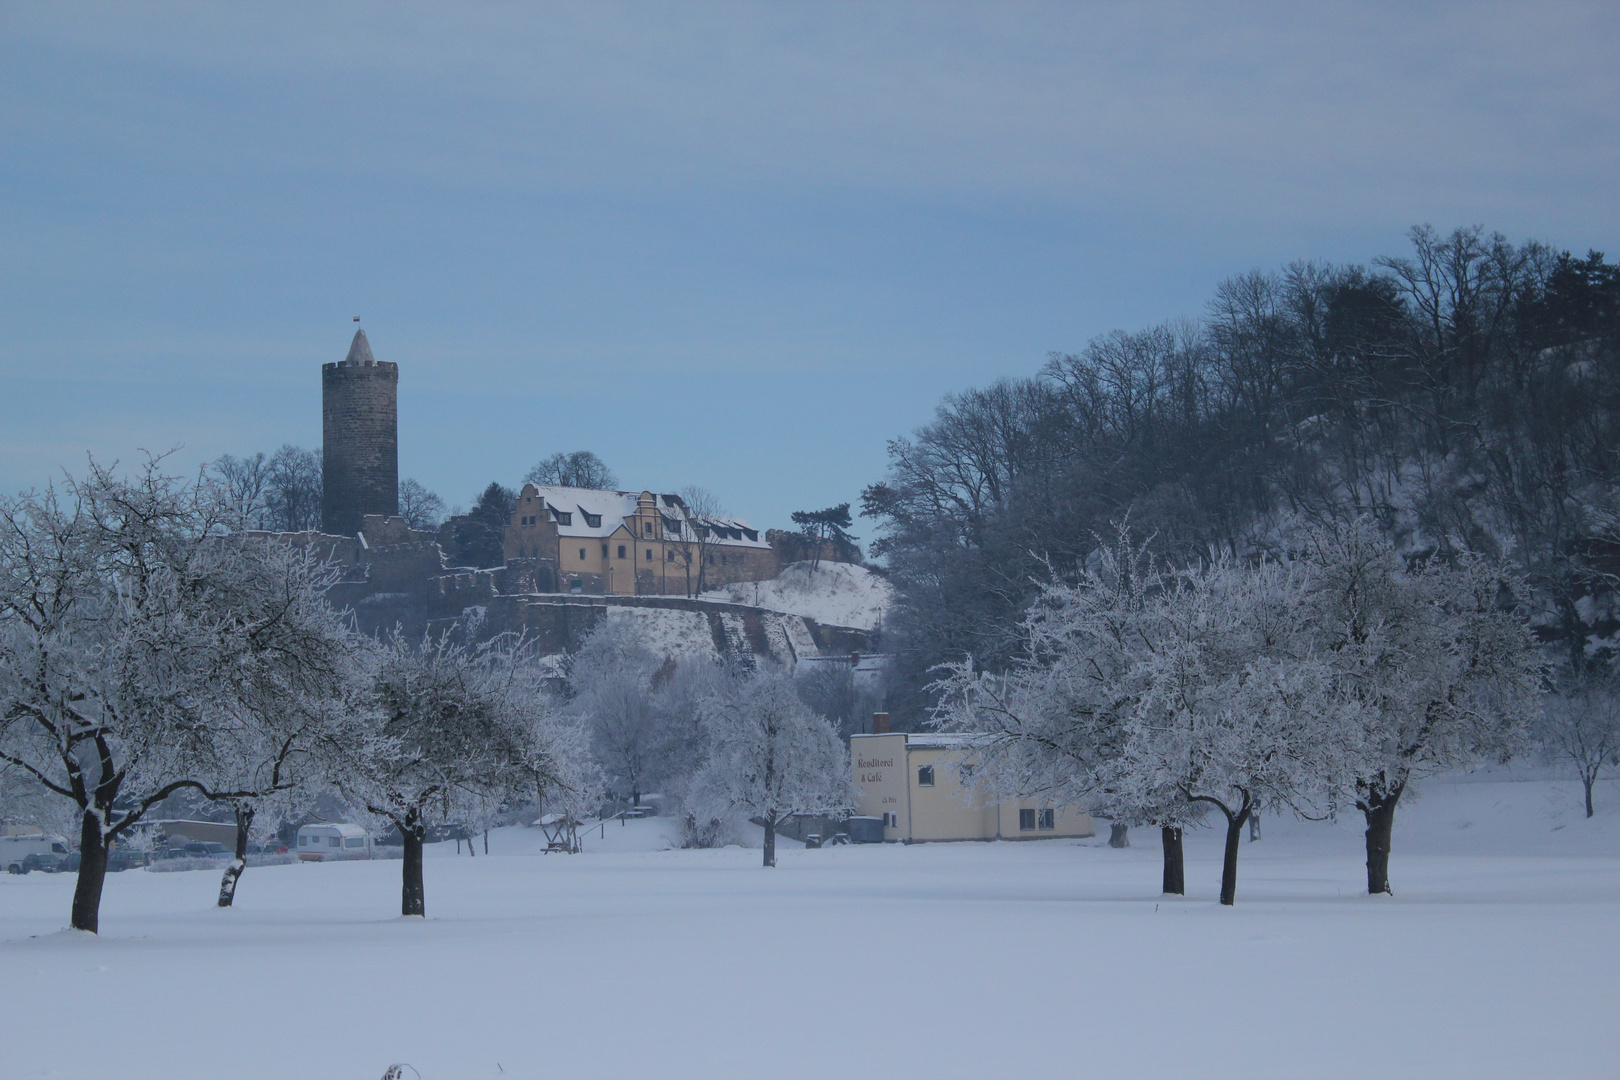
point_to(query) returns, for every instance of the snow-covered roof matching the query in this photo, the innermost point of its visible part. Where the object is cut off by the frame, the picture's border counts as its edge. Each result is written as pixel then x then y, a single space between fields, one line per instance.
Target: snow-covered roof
pixel 939 740
pixel 586 512
pixel 573 509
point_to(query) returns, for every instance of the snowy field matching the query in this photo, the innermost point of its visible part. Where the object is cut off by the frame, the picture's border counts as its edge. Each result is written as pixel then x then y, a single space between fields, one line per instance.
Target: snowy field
pixel 1497 958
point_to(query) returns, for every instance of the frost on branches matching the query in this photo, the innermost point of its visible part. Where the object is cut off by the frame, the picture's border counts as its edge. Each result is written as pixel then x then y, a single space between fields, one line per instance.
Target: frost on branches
pixel 1581 725
pixel 134 641
pixel 1439 658
pixel 449 727
pixel 769 758
pixel 1054 724
pixel 1237 711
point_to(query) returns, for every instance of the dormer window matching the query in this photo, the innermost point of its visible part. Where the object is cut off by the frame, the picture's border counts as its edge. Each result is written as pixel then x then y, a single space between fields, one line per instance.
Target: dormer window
pixel 563 516
pixel 593 521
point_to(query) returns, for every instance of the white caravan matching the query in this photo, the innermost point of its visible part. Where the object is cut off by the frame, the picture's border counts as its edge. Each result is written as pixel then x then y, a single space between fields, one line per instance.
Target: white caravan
pixel 324 843
pixel 14 850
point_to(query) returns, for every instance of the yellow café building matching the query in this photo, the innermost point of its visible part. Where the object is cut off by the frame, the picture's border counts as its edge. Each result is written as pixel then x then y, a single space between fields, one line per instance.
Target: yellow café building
pixel 913 783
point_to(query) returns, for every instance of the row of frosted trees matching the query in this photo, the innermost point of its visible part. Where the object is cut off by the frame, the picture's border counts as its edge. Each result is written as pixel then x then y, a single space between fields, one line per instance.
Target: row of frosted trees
pixel 1334 675
pixel 146 650
pixel 150 648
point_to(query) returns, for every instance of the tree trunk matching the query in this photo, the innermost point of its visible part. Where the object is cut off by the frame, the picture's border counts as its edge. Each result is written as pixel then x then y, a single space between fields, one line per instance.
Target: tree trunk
pixel 92 875
pixel 1254 826
pixel 413 896
pixel 233 872
pixel 1587 779
pixel 1234 838
pixel 1175 873
pixel 1379 810
pixel 486 841
pixel 770 838
pixel 1119 835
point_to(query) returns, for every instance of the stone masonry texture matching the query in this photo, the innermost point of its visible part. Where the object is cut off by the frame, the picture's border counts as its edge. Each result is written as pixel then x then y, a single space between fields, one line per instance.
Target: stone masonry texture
pixel 359 440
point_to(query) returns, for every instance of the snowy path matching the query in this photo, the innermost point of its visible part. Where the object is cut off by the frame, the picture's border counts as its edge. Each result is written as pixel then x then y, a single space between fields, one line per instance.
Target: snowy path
pixel 1496 959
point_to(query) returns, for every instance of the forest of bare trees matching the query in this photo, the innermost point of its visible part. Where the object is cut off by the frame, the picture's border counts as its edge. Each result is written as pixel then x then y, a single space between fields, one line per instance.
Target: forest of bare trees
pixel 1462 396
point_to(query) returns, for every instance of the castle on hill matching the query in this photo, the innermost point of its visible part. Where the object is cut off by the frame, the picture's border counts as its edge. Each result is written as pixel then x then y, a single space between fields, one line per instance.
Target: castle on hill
pixel 561 546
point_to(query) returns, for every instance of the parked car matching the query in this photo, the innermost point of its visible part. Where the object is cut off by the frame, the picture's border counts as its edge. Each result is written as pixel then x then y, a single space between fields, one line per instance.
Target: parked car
pixel 120 859
pixel 16 850
pixel 208 849
pixel 48 863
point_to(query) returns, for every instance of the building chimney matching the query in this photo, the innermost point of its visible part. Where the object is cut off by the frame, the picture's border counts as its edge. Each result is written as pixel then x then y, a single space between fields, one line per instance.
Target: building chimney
pixel 880 723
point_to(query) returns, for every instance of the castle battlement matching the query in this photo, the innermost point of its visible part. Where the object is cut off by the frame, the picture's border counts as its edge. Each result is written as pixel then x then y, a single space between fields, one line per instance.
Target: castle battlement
pixel 383 367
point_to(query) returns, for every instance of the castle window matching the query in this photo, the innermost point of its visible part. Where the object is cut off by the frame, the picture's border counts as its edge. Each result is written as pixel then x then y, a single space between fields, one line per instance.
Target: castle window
pixel 1048 819
pixel 925 776
pixel 563 516
pixel 621 551
pixel 581 554
pixel 604 551
pixel 1026 820
pixel 649 554
pixel 593 520
pixel 669 556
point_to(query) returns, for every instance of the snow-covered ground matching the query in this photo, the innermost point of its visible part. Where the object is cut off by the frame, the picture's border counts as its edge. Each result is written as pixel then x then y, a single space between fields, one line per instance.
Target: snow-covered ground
pixel 1496 958
pixel 835 593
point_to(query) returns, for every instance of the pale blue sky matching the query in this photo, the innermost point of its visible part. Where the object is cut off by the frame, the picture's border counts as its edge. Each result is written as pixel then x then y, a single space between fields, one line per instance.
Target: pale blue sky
pixel 734 245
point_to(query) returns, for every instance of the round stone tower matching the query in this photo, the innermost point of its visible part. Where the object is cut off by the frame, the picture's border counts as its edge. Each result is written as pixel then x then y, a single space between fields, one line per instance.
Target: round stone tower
pixel 359 439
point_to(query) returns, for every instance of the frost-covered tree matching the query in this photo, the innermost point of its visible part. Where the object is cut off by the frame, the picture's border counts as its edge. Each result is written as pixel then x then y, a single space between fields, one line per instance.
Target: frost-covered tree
pixel 1236 711
pixel 769 757
pixel 288 696
pixel 611 677
pixel 448 726
pixel 1439 659
pixel 1053 724
pixel 125 619
pixel 1581 725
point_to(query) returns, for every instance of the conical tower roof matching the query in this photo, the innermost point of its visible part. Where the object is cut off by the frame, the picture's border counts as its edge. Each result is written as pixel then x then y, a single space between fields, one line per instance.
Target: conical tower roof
pixel 360 349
